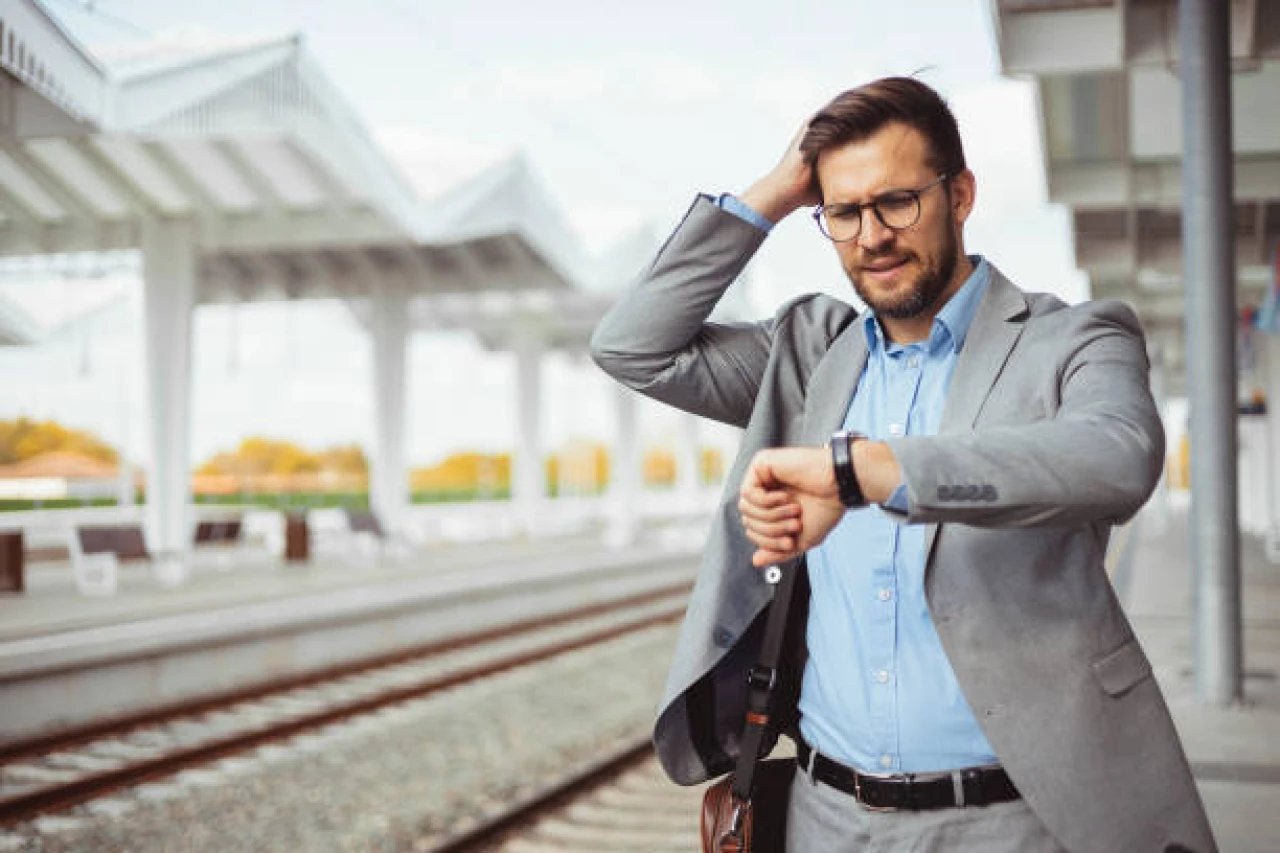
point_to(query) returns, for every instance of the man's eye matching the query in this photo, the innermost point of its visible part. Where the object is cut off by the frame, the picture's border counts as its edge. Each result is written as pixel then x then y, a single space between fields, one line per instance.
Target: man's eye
pixel 895 202
pixel 844 214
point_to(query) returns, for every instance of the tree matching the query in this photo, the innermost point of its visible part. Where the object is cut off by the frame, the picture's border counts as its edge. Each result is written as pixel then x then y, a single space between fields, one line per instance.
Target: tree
pixel 24 438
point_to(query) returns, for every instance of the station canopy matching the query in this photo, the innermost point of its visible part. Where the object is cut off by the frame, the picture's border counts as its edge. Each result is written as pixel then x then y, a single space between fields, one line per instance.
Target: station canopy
pixel 1110 110
pixel 288 196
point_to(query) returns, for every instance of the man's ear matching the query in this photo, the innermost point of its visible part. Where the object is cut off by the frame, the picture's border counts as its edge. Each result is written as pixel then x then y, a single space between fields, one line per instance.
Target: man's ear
pixel 964 191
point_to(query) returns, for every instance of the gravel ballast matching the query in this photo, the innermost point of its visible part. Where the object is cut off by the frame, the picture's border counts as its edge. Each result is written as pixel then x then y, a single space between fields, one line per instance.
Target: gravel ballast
pixel 396 780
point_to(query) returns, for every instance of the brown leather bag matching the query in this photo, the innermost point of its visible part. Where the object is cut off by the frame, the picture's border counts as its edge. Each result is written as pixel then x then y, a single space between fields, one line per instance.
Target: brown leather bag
pixel 746 811
pixel 758 825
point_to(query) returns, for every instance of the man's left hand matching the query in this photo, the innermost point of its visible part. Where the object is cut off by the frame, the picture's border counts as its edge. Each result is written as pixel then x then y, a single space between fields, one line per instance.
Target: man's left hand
pixel 789 502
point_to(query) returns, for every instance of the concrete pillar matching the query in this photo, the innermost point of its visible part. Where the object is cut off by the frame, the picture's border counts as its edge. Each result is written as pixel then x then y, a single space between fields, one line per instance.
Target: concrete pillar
pixel 625 471
pixel 529 483
pixel 389 479
pixel 1208 246
pixel 169 284
pixel 688 460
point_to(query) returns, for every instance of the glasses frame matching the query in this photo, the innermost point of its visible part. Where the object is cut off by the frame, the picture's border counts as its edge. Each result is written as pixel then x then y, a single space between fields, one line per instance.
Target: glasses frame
pixel 874 204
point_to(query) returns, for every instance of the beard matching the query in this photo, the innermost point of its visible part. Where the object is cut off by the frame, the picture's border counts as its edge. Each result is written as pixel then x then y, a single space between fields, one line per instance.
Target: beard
pixel 923 293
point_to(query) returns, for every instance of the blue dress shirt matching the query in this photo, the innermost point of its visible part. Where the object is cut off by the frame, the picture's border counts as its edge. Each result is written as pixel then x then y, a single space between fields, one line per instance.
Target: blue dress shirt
pixel 878 692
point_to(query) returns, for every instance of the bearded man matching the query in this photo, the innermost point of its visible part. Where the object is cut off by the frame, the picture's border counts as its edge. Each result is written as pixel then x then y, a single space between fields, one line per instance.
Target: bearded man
pixel 947 468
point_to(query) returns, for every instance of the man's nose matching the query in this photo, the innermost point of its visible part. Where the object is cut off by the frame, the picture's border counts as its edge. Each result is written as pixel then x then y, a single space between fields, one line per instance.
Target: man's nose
pixel 873 234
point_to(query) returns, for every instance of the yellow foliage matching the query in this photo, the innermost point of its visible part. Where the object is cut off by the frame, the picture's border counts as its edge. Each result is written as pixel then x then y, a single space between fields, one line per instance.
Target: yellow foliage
pixel 257 457
pixel 582 467
pixel 24 438
pixel 712 465
pixel 659 467
pixel 487 473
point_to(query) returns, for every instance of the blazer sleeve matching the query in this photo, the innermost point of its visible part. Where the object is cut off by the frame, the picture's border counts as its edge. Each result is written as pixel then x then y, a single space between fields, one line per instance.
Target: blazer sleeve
pixel 1098 456
pixel 656 339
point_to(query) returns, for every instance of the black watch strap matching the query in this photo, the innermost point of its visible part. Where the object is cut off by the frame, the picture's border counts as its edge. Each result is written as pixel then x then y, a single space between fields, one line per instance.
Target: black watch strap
pixel 842 462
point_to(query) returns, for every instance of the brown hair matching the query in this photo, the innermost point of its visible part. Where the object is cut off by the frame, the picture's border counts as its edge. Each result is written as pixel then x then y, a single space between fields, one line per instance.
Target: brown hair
pixel 856 114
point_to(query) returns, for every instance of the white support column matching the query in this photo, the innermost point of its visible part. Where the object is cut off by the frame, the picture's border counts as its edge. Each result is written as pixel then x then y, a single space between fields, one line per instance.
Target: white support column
pixel 688 461
pixel 625 471
pixel 389 479
pixel 529 484
pixel 169 282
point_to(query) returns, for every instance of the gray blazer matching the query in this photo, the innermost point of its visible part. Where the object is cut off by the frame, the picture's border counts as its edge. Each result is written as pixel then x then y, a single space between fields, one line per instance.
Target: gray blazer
pixel 1049 437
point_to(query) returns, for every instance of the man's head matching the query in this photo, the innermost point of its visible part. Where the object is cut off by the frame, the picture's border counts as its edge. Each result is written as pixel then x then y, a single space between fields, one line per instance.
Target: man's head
pixel 890 135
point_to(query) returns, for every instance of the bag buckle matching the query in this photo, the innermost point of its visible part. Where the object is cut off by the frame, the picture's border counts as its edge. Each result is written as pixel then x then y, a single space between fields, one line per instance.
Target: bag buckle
pixel 762 677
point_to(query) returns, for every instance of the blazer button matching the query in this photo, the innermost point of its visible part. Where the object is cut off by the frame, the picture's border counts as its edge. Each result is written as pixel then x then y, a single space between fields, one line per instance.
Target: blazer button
pixel 722 637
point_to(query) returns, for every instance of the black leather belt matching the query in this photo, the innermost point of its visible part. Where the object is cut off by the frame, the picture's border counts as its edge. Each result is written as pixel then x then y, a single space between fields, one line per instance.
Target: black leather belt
pixel 971 786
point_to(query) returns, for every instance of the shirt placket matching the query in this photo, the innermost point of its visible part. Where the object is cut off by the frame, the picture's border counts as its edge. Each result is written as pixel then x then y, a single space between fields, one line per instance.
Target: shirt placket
pixel 903 370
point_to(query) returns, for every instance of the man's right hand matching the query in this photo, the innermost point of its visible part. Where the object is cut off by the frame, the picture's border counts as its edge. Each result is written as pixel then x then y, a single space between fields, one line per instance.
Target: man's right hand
pixel 788 186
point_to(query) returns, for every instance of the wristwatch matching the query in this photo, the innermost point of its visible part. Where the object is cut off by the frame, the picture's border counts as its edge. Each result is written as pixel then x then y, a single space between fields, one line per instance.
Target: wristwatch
pixel 842 462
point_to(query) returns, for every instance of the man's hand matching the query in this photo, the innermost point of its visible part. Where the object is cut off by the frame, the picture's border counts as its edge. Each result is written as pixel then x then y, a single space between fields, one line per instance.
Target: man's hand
pixel 787 187
pixel 789 502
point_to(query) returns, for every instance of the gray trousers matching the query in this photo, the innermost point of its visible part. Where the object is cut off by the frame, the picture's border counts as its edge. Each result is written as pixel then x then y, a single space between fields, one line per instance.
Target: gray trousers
pixel 821 819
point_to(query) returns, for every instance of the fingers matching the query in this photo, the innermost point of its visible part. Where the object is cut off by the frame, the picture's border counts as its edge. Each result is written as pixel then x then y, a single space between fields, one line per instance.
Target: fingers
pixel 779 544
pixel 766 507
pixel 767 557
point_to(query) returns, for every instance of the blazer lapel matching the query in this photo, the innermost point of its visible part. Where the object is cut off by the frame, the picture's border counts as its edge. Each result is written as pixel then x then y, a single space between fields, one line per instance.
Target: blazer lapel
pixel 832 385
pixel 991 338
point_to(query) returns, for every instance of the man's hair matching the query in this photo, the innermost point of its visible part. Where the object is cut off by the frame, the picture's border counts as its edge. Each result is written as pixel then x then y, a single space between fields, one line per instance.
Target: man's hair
pixel 856 114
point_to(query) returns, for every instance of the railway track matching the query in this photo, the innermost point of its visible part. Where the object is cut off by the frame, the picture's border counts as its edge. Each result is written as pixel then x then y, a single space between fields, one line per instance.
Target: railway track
pixel 46 775
pixel 621 803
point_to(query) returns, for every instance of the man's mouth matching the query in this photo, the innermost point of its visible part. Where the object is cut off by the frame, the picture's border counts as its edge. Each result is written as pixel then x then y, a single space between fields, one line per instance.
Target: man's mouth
pixel 884 266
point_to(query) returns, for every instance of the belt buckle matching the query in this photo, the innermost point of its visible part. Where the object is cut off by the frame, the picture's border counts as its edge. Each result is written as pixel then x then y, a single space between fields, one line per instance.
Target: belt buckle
pixel 857 789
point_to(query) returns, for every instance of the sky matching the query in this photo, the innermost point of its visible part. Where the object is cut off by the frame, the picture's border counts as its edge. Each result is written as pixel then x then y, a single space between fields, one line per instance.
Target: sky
pixel 624 111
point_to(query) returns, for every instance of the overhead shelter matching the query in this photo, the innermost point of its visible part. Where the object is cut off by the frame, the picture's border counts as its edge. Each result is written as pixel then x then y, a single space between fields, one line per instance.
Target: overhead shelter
pixel 1110 111
pixel 241 174
pixel 1160 129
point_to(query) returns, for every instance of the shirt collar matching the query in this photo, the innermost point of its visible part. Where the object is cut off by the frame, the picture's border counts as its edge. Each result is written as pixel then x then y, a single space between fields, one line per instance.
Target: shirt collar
pixel 951 326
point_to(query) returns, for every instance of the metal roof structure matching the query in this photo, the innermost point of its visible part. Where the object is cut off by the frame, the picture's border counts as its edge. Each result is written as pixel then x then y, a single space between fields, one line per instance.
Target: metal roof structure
pixel 289 196
pixel 1109 99
pixel 239 173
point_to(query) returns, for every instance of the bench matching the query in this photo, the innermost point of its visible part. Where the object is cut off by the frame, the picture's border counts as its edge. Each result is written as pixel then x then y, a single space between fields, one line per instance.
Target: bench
pixel 222 537
pixel 97 551
pixel 369 539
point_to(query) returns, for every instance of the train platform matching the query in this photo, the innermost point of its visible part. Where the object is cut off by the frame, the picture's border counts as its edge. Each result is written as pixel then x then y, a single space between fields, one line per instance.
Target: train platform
pixel 69 659
pixel 51 603
pixel 1235 752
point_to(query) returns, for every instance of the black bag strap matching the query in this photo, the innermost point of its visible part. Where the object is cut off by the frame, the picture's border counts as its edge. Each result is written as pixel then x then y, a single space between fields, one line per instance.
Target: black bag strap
pixel 762 679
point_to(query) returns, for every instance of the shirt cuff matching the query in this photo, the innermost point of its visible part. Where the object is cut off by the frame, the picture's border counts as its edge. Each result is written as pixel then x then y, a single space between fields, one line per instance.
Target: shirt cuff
pixel 898 500
pixel 740 209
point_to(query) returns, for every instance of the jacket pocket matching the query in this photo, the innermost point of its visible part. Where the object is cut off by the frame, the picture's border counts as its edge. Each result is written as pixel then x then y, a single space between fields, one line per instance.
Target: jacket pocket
pixel 1120 670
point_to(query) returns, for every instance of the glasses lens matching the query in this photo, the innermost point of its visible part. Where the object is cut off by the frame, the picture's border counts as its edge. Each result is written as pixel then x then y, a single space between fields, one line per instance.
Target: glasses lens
pixel 898 210
pixel 840 221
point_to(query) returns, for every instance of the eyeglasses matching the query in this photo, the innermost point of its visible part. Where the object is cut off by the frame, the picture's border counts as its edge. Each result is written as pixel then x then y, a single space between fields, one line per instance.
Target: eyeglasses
pixel 896 210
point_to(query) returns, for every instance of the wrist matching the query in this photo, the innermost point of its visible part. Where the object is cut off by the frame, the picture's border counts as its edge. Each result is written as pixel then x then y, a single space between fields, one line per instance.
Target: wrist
pixel 845 472
pixel 877 470
pixel 770 200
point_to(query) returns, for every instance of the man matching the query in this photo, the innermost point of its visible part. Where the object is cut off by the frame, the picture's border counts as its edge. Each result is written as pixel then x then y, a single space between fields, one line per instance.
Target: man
pixel 949 466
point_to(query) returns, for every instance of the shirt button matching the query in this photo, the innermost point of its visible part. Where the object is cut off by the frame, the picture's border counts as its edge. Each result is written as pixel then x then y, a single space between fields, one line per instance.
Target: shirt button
pixel 886 761
pixel 895 429
pixel 885 594
pixel 913 361
pixel 882 676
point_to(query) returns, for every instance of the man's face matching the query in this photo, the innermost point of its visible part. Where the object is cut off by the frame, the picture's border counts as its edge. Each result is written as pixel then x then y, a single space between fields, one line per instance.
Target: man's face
pixel 899 274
